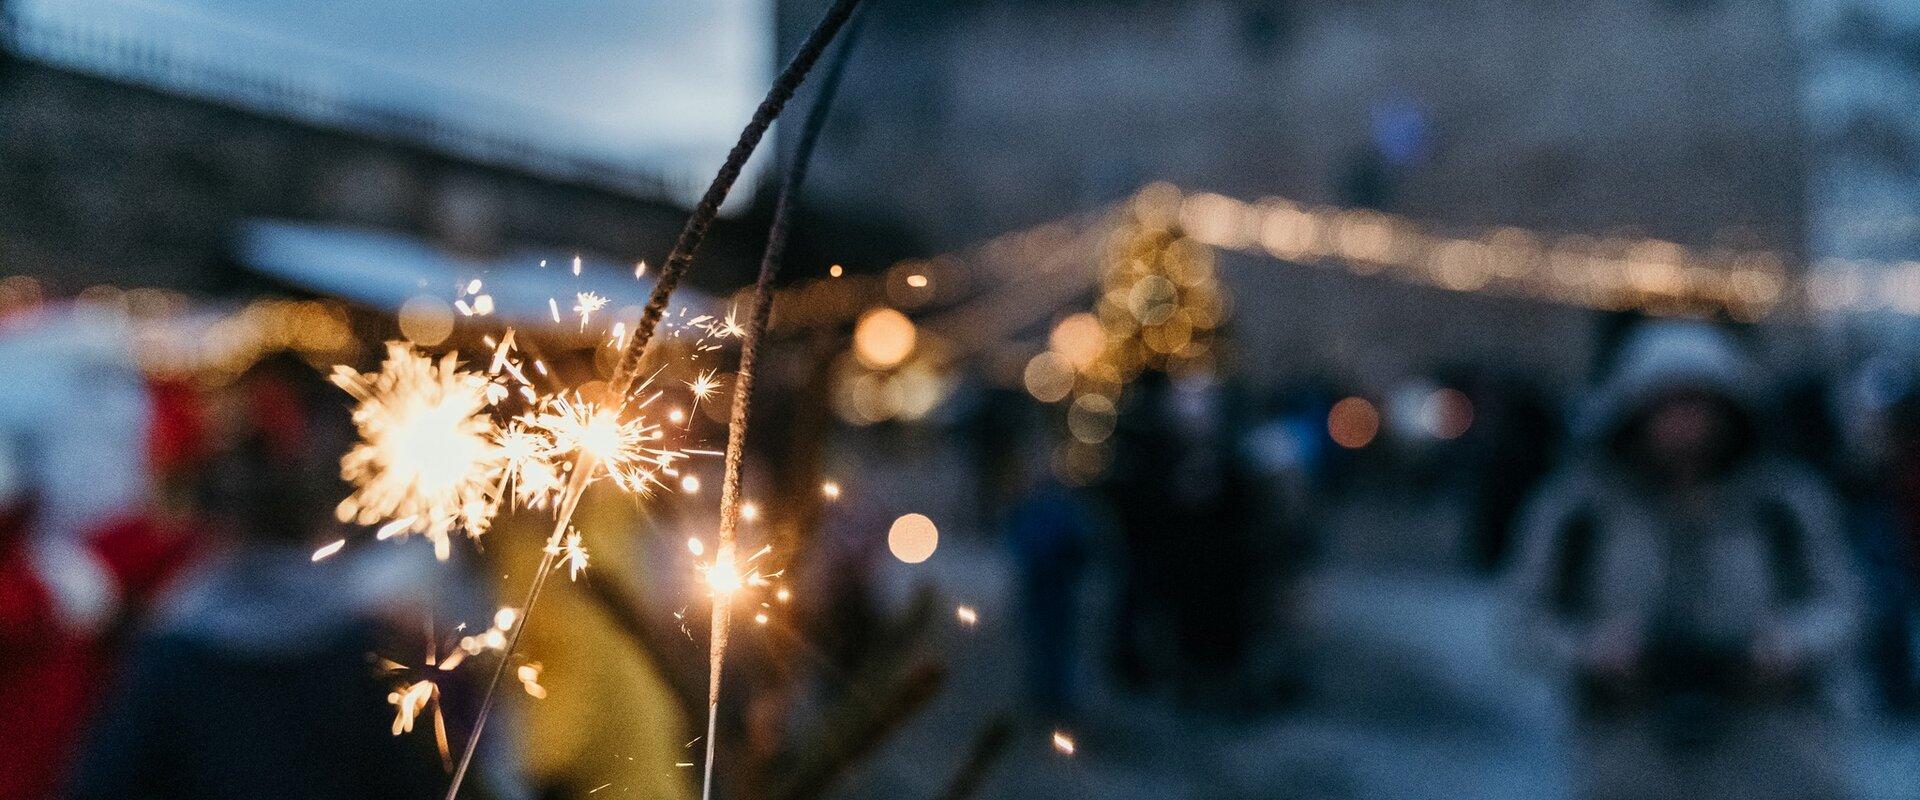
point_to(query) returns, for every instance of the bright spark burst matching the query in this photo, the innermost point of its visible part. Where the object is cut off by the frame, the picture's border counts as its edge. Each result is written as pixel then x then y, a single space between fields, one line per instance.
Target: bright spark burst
pixel 627 451
pixel 585 304
pixel 703 386
pixel 425 454
pixel 572 554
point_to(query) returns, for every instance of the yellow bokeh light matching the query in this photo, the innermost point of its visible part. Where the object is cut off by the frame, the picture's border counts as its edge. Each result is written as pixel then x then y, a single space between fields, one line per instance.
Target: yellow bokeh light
pixel 1078 339
pixel 883 338
pixel 913 538
pixel 1048 378
pixel 426 320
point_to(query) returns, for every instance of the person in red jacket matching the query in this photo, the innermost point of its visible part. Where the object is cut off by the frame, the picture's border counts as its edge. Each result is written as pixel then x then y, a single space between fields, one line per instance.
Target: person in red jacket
pixel 69 586
pixel 60 604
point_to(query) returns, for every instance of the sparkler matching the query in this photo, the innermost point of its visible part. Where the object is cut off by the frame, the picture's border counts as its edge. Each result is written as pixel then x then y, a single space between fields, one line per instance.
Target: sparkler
pixel 425 459
pixel 432 459
pixel 758 315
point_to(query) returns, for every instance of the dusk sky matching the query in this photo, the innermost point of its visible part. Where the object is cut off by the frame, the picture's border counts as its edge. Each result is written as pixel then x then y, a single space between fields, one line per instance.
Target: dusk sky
pixel 661 86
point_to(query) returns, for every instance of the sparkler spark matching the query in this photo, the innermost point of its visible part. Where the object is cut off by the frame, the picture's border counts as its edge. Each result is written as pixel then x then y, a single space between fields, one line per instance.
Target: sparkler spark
pixel 1063 743
pixel 573 555
pixel 627 451
pixel 425 461
pixel 702 386
pixel 409 702
pixel 586 303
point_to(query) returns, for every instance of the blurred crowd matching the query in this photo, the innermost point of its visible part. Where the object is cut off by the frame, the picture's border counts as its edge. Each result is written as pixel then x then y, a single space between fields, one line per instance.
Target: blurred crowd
pixel 1717 558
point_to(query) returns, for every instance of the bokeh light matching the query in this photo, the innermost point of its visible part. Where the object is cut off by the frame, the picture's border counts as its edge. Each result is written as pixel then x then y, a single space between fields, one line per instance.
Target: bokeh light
pixel 883 338
pixel 913 538
pixel 426 320
pixel 1353 423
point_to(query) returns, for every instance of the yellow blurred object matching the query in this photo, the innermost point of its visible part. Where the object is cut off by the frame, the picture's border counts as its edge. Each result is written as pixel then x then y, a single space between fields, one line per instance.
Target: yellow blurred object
pixel 608 717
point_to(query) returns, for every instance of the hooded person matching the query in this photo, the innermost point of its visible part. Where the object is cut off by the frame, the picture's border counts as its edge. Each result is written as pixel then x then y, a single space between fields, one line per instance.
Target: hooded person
pixel 1690 584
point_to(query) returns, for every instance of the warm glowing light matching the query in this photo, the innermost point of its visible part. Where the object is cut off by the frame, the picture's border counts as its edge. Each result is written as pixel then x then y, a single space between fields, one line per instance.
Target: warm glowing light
pixel 749 511
pixel 695 546
pixel 917 281
pixel 1048 377
pixel 1078 339
pixel 1063 743
pixel 967 616
pixel 329 549
pixel 724 576
pixel 529 675
pixel 426 320
pixel 913 538
pixel 883 338
pixel 690 484
pixel 836 271
pixel 1353 422
pixel 425 456
pixel 783 594
pixel 830 490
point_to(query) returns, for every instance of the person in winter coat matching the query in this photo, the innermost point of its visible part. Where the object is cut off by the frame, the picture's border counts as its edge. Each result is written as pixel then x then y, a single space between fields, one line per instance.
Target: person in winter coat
pixel 81 551
pixel 258 676
pixel 1690 585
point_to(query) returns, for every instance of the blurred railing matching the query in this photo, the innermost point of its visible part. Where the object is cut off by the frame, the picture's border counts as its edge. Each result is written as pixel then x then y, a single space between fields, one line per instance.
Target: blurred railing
pixel 131 59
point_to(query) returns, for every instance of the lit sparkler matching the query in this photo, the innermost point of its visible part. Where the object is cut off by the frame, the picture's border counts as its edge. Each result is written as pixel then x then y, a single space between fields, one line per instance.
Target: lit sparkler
pixel 426 461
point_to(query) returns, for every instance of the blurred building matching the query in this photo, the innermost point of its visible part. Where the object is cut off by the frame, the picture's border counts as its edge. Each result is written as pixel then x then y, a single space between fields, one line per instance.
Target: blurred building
pixel 1677 119
pixel 1861 59
pixel 129 164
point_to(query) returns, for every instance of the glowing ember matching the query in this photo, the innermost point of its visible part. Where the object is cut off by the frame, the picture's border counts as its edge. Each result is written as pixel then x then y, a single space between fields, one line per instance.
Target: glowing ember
pixel 329 549
pixel 1063 743
pixel 585 304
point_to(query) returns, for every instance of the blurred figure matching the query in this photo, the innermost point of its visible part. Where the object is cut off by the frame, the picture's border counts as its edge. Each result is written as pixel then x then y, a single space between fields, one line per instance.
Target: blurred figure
pixel 79 557
pixel 607 715
pixel 1890 541
pixel 1138 490
pixel 1048 532
pixel 257 679
pixel 1691 586
pixel 1213 565
pixel 1516 435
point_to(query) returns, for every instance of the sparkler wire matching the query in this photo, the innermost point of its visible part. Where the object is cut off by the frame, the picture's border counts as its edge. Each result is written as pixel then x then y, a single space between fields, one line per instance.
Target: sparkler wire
pixel 695 231
pixel 758 316
pixel 628 368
